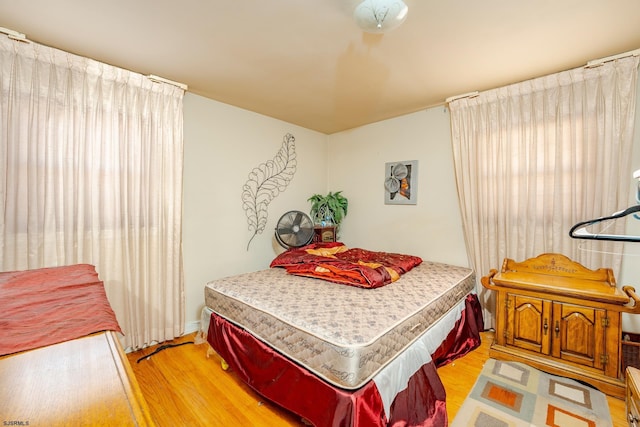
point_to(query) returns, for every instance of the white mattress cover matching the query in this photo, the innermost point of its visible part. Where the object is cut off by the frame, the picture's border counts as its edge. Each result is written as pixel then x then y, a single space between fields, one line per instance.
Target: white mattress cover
pixel 394 377
pixel 344 334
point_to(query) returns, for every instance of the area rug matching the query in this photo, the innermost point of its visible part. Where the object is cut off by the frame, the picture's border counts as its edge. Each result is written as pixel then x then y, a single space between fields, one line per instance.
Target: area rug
pixel 515 394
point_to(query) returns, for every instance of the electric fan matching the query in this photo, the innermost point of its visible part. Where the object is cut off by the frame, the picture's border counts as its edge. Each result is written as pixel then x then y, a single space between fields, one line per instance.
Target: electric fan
pixel 294 229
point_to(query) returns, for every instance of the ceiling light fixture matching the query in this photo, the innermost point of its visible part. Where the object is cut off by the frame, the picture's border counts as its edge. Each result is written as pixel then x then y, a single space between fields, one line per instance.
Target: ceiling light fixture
pixel 379 16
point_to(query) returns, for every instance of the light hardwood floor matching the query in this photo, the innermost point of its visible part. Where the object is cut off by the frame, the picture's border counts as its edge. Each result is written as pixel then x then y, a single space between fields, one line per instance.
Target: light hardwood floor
pixel 185 388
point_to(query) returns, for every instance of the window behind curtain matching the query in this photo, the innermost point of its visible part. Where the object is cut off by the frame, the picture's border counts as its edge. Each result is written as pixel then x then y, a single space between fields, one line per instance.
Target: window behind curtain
pixel 91 173
pixel 534 158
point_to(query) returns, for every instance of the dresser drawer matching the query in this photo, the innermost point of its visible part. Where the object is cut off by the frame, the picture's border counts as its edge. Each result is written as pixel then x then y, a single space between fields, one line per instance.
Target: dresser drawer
pixel 633 396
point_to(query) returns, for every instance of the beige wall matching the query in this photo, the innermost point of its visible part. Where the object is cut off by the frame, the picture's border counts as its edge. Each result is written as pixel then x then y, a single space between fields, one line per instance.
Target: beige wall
pixel 432 228
pixel 222 144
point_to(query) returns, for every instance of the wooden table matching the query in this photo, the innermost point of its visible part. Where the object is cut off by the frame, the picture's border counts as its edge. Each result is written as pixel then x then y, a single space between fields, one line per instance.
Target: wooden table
pixel 86 381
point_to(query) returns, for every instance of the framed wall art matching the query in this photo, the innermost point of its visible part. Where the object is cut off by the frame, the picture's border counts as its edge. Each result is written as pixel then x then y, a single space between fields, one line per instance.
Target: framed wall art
pixel 401 183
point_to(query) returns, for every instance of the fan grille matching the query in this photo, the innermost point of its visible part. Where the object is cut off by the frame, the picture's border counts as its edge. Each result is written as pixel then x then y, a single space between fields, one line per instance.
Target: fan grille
pixel 294 229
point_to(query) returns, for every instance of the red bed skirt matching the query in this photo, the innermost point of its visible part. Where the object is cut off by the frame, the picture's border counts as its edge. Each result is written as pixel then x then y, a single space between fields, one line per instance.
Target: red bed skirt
pixel 277 378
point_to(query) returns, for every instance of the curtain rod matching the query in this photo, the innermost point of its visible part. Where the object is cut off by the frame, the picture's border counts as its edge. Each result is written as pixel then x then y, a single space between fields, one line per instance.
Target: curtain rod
pixel 599 62
pixel 464 95
pixel 14 34
pixel 163 80
pixel 591 64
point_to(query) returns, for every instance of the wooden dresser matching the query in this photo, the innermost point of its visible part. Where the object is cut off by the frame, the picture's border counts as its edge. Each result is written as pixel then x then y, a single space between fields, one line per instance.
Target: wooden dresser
pixel 558 316
pixel 85 381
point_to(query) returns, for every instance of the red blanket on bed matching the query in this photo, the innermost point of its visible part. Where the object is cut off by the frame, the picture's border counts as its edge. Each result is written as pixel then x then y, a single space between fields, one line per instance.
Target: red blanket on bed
pixel 335 262
pixel 51 305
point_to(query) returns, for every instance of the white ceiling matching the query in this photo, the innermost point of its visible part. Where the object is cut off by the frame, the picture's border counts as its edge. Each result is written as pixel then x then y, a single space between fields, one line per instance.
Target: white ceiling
pixel 306 62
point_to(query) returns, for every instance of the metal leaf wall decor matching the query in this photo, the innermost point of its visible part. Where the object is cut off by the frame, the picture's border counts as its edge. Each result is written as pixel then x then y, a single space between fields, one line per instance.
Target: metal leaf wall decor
pixel 266 182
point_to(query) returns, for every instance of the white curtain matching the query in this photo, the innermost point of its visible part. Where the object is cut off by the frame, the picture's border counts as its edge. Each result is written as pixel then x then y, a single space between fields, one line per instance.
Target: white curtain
pixel 534 158
pixel 91 172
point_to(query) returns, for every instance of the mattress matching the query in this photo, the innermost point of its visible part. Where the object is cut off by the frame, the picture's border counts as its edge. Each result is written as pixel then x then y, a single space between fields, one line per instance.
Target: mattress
pixel 343 334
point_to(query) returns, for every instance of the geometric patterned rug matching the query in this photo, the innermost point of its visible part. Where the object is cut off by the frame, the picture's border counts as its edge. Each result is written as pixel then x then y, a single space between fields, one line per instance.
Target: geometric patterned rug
pixel 514 394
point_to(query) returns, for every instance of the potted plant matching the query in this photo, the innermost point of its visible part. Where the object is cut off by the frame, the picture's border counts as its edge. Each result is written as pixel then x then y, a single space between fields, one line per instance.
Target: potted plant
pixel 329 209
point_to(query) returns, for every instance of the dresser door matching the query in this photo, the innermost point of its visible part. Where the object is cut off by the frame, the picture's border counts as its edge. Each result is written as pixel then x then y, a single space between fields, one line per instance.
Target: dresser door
pixel 578 334
pixel 528 323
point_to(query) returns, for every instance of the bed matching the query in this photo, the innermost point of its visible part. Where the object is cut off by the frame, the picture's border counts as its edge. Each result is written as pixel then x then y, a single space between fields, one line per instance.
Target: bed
pixel 346 355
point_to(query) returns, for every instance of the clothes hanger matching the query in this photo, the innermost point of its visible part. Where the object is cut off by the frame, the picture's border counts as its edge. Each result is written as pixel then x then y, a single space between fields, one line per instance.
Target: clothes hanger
pixel 579 231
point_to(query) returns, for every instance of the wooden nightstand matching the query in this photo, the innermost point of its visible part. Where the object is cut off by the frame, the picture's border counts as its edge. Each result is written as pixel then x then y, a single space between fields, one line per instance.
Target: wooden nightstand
pixel 632 399
pixel 558 316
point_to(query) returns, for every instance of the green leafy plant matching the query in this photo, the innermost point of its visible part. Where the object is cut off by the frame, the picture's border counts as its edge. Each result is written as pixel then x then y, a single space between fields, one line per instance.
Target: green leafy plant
pixel 330 208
